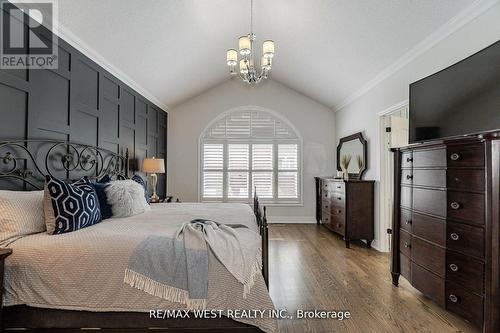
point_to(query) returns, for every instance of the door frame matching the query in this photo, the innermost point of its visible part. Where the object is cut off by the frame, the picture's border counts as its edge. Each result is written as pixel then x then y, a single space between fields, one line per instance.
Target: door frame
pixel 385 175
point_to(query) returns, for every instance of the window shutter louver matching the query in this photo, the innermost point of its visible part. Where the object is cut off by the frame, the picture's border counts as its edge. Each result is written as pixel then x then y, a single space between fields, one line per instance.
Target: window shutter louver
pixel 248 150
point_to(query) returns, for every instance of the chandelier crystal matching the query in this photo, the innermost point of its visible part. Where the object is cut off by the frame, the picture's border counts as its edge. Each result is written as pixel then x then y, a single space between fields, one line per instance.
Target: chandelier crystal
pixel 246 65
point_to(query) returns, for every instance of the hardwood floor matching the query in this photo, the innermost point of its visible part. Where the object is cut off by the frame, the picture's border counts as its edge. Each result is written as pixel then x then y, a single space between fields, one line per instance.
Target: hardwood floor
pixel 310 268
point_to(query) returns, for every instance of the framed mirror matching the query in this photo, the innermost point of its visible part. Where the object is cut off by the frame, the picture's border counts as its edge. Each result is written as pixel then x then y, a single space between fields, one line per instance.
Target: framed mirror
pixel 352 155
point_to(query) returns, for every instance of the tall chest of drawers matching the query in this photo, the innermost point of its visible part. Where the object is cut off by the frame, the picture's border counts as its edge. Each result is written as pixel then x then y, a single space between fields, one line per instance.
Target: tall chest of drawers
pixel 346 207
pixel 445 227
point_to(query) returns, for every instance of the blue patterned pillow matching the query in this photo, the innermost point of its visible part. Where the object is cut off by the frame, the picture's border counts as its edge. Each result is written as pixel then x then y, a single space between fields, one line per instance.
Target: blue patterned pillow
pixel 69 207
pixel 138 179
pixel 99 188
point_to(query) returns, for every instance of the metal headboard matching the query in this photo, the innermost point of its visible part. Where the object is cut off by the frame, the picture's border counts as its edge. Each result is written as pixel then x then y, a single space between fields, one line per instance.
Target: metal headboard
pixel 28 161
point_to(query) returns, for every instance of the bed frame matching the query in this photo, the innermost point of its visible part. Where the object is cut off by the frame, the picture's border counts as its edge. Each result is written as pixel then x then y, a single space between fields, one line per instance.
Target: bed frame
pixel 23 165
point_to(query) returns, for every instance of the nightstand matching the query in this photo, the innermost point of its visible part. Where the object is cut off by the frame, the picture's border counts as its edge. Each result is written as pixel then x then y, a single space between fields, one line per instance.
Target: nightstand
pixel 4 253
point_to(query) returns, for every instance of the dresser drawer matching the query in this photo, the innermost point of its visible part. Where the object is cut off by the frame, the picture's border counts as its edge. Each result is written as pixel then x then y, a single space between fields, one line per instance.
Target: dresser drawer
pixel 428 283
pixel 326 194
pixel 406 220
pixel 431 178
pixel 326 205
pixel 407 176
pixel 465 304
pixel 429 256
pixel 465 271
pixel 338 187
pixel 338 200
pixel 466 206
pixel 407 159
pixel 468 155
pixel 406 196
pixel 325 218
pixel 466 179
pixel 429 158
pixel 429 228
pixel 465 239
pixel 405 243
pixel 430 201
pixel 405 268
pixel 338 223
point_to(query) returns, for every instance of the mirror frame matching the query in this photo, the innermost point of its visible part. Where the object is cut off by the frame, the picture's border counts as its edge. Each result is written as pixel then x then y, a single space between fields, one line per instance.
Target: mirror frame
pixel 355 136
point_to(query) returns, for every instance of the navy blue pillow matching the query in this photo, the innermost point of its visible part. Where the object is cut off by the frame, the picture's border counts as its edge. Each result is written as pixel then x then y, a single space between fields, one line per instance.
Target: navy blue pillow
pixel 70 207
pixel 105 179
pixel 138 179
pixel 99 188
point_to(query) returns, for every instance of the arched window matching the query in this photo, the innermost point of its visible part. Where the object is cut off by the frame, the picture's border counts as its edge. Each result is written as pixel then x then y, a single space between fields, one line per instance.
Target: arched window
pixel 250 148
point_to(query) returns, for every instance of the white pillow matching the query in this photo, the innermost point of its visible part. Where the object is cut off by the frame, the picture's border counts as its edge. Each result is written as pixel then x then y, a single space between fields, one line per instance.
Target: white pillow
pixel 21 214
pixel 126 198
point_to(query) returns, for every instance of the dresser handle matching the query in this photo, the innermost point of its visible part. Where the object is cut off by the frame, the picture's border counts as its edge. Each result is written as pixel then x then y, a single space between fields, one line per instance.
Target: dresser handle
pixel 409 177
pixel 339 198
pixel 453 267
pixel 454 236
pixel 407 245
pixel 339 225
pixel 409 159
pixel 455 205
pixel 326 206
pixel 453 298
pixel 339 187
pixel 339 211
pixel 326 195
pixel 454 157
pixel 408 222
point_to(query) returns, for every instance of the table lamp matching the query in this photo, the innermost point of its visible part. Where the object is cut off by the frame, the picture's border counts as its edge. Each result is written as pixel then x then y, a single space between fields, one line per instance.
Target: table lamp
pixel 153 166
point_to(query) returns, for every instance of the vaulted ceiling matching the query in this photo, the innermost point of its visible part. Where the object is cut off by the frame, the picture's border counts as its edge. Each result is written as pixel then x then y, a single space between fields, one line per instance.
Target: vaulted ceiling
pixel 325 49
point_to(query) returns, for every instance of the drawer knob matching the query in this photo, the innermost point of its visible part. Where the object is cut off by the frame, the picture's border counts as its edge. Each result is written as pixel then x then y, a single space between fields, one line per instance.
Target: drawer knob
pixel 409 159
pixel 339 187
pixel 339 225
pixel 339 211
pixel 454 267
pixel 453 298
pixel 455 205
pixel 326 195
pixel 408 222
pixel 339 198
pixel 409 177
pixel 407 245
pixel 454 236
pixel 454 157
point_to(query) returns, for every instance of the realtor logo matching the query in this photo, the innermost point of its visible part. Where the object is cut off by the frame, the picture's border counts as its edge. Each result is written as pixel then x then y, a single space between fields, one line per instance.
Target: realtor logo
pixel 26 35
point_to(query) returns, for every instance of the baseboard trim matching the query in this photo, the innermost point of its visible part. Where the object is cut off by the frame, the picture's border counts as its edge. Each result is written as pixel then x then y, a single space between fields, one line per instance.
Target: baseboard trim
pixel 291 219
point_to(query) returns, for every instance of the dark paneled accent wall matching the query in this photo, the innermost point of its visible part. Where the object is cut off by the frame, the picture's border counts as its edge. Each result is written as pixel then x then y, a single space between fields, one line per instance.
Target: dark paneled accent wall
pixel 82 102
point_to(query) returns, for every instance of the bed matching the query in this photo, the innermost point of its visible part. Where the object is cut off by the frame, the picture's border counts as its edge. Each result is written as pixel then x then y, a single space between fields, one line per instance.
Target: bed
pixel 75 280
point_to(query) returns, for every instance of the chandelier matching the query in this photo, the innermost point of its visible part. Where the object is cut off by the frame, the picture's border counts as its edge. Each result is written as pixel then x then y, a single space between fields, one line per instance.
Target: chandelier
pixel 248 68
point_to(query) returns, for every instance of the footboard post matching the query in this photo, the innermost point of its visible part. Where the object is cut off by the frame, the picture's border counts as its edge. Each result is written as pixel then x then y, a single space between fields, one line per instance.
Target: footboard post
pixel 4 253
pixel 265 249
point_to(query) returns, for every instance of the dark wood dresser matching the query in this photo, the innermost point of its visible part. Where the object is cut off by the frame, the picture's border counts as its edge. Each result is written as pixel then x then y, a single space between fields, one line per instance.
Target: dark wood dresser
pixel 445 228
pixel 346 207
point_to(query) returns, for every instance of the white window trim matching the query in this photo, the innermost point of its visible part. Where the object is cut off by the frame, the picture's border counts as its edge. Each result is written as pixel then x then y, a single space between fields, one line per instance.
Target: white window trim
pixel 268 202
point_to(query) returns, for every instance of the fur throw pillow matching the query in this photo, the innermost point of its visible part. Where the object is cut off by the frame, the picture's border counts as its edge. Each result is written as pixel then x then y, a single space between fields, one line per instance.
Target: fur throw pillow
pixel 126 198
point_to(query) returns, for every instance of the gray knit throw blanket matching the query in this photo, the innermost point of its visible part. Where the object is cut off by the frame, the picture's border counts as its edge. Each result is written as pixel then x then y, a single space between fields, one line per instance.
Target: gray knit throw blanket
pixel 176 269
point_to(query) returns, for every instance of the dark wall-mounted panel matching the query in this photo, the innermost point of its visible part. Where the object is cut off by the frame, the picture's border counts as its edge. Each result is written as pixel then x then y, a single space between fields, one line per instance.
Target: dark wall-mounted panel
pixel 80 101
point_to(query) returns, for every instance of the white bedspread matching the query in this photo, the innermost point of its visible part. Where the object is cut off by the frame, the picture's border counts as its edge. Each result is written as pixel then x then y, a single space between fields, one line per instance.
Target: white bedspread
pixel 83 270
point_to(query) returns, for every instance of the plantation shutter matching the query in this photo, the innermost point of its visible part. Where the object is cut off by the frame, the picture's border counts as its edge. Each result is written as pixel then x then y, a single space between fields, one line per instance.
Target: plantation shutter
pixel 247 150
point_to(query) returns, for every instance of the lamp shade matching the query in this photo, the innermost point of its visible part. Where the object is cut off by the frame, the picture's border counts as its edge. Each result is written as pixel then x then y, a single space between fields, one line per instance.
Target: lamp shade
pixel 232 57
pixel 243 66
pixel 268 49
pixel 244 45
pixel 153 165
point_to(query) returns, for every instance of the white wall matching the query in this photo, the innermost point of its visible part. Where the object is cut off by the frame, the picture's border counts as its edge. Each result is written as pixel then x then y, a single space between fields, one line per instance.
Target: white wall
pixel 361 115
pixel 314 122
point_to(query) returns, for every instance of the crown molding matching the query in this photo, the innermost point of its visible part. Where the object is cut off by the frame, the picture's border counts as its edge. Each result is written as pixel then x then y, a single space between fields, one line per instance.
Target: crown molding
pixel 461 19
pixel 95 56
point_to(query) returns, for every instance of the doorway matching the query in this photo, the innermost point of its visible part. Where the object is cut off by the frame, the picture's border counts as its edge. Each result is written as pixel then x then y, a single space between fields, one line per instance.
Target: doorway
pixel 394 133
